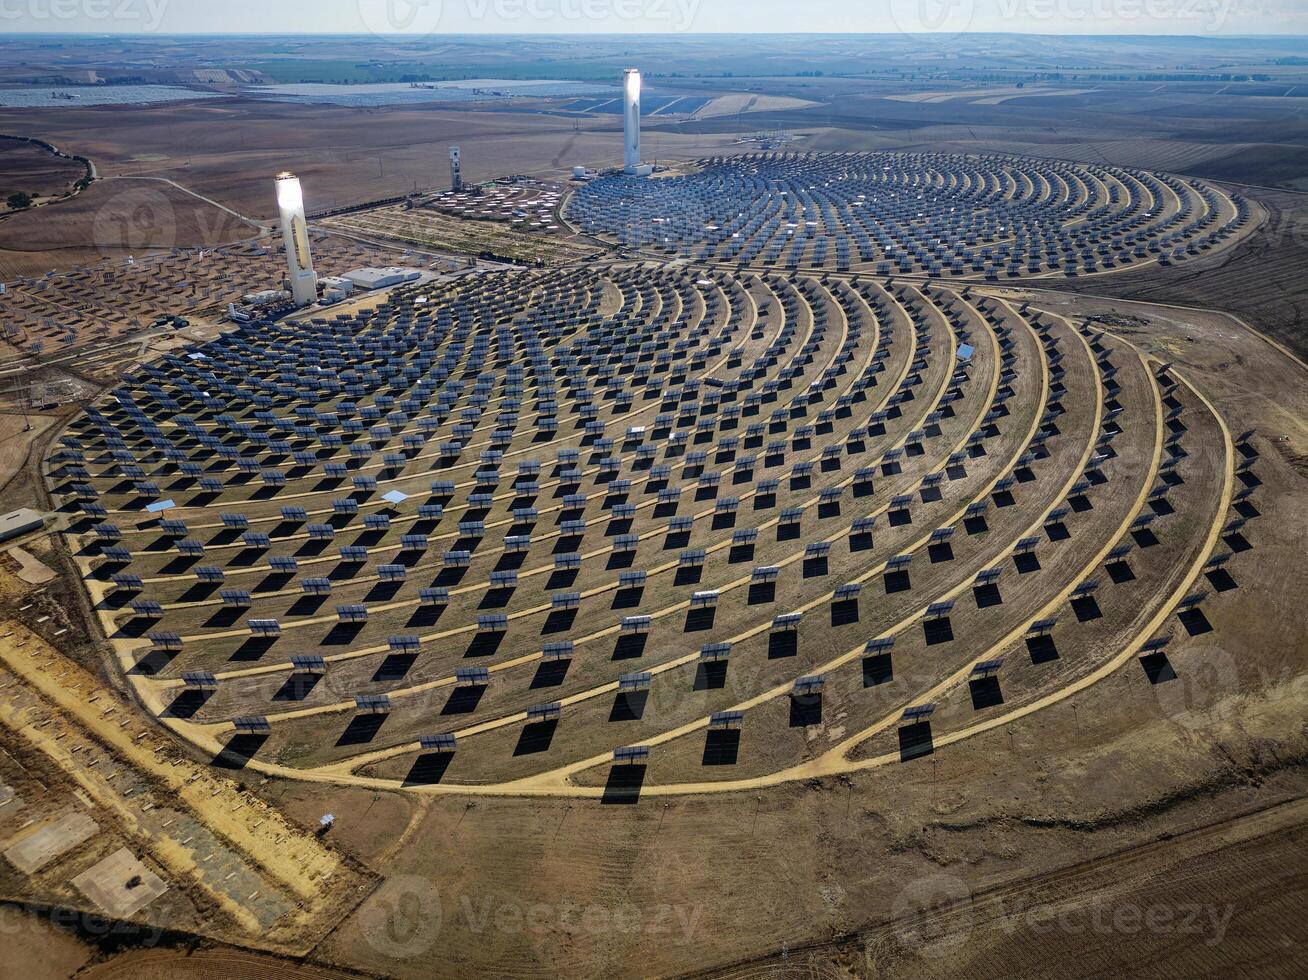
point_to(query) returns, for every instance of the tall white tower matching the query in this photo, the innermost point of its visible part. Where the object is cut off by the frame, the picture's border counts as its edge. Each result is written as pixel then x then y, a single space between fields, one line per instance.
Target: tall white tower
pixel 295 232
pixel 631 102
pixel 456 169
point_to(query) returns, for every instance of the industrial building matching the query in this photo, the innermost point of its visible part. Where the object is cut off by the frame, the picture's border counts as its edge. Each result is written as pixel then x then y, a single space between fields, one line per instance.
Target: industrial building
pixel 335 288
pixel 374 278
pixel 19 522
pixel 264 297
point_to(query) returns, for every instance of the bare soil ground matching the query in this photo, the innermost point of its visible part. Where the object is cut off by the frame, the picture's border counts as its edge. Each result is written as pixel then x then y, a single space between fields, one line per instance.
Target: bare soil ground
pixel 129 215
pixel 36 948
pixel 30 169
pixel 1116 915
pixel 19 456
pixel 206 964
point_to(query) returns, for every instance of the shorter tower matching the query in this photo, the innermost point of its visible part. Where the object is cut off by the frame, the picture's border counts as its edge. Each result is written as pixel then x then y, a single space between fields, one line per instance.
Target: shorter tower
pixel 295 232
pixel 631 105
pixel 456 169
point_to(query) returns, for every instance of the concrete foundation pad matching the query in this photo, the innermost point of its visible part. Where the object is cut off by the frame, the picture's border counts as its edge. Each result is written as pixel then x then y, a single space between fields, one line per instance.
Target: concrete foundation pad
pixel 38 848
pixel 120 885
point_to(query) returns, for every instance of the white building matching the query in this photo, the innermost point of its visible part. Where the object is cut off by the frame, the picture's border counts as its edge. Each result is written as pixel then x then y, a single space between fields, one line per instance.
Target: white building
pixel 19 522
pixel 295 232
pixel 391 275
pixel 338 283
pixel 335 289
pixel 264 297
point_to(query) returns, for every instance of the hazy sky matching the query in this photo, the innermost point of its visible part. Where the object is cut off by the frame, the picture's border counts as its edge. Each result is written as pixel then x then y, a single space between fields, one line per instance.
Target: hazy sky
pixel 425 17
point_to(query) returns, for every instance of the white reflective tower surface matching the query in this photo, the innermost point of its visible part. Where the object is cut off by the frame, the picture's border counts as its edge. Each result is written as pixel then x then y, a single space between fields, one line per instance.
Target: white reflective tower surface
pixel 631 103
pixel 295 232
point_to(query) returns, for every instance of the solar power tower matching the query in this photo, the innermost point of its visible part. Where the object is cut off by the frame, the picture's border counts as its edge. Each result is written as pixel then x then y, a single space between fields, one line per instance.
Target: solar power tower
pixel 631 129
pixel 456 169
pixel 295 232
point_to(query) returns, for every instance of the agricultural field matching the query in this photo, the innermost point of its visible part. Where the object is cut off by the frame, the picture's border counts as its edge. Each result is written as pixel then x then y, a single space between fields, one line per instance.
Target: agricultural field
pixel 32 170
